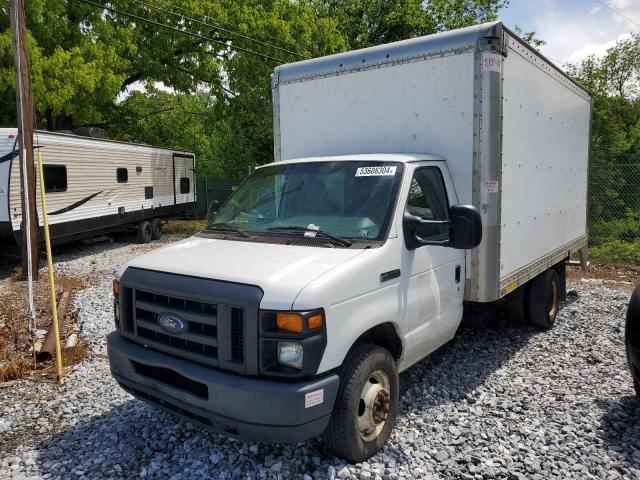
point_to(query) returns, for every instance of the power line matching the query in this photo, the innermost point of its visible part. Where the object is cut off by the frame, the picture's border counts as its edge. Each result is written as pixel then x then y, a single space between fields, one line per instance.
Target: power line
pixel 617 12
pixel 185 32
pixel 217 26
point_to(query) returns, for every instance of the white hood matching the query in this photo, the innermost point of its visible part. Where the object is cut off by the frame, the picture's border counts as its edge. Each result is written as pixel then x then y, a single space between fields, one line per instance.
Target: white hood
pixel 282 271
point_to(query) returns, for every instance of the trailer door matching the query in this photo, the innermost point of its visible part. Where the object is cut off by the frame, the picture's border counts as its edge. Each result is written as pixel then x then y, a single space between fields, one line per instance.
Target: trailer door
pixel 184 178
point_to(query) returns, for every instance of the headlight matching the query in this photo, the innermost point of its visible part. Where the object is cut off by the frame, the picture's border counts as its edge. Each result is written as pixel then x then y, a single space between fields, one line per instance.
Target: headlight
pixel 290 354
pixel 292 343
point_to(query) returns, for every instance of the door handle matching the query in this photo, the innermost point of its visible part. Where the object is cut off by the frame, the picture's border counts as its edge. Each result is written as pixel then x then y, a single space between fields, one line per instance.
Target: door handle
pixel 458 272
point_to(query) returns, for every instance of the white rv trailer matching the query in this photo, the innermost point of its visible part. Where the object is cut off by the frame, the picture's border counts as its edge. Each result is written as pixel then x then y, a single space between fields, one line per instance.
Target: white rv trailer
pixel 97 186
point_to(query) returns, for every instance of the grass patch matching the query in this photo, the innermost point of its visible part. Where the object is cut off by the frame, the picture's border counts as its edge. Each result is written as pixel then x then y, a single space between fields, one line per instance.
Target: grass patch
pixel 184 227
pixel 617 251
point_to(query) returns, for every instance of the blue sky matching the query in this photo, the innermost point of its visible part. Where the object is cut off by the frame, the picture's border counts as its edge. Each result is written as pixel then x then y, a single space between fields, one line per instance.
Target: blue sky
pixel 574 29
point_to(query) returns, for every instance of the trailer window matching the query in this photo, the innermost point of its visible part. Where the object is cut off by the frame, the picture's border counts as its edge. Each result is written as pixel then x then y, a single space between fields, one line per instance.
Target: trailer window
pixel 55 178
pixel 185 185
pixel 428 200
pixel 122 174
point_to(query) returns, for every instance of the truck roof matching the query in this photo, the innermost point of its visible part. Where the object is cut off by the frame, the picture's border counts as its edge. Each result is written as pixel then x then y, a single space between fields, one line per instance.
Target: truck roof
pixel 367 157
pixel 451 41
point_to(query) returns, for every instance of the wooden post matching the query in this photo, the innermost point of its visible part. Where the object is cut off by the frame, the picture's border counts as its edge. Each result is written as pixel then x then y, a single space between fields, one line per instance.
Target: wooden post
pixel 24 109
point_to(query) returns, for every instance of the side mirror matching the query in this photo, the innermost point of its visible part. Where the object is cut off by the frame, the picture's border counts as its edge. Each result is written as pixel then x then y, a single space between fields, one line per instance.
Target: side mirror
pixel 464 229
pixel 213 208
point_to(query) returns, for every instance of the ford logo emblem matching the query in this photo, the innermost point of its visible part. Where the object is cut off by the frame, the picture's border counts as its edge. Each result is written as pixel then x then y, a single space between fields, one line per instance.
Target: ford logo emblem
pixel 172 323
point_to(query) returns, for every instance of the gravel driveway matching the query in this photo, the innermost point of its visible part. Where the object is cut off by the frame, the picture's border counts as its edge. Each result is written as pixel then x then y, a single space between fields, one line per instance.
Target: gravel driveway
pixel 501 401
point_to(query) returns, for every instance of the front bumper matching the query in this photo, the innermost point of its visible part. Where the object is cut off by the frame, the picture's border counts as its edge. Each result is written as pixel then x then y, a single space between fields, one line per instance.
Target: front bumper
pixel 248 408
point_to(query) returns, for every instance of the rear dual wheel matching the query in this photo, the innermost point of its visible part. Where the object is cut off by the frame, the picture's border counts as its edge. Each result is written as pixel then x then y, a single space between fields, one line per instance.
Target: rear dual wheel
pixel 366 405
pixel 538 302
pixel 544 299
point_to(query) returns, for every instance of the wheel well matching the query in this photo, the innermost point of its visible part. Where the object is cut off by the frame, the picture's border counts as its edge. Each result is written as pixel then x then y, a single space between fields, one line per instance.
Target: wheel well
pixel 383 335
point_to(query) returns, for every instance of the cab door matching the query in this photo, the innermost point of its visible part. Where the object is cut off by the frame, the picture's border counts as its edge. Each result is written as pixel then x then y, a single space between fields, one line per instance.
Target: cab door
pixel 436 273
pixel 184 186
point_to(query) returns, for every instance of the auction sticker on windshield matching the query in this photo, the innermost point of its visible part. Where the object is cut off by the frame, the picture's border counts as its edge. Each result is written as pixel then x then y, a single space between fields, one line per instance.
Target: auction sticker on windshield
pixel 375 171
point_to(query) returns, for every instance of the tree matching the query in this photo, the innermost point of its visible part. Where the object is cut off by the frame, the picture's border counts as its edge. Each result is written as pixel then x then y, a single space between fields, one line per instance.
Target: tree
pixel 86 58
pixel 529 37
pixel 614 82
pixel 373 22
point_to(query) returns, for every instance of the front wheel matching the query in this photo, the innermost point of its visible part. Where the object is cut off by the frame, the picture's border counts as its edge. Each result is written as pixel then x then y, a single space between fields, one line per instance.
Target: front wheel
pixel 366 405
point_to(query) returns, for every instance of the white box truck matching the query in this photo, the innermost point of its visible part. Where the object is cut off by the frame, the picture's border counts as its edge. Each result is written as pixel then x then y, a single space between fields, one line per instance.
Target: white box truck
pixel 409 177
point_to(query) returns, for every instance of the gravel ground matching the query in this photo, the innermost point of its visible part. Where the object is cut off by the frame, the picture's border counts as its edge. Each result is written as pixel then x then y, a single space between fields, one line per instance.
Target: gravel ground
pixel 500 401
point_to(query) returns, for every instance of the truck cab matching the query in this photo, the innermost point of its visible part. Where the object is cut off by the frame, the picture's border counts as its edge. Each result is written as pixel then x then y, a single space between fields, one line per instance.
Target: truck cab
pixel 317 275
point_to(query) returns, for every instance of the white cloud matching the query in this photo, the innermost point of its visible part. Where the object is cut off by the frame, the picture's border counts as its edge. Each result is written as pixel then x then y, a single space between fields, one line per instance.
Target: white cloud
pixel 575 30
pixel 597 49
pixel 141 87
pixel 594 10
pixel 628 8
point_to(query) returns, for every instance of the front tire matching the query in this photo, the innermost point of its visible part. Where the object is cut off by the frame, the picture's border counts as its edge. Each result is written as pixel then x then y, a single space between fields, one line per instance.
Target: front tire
pixel 366 405
pixel 144 234
pixel 544 299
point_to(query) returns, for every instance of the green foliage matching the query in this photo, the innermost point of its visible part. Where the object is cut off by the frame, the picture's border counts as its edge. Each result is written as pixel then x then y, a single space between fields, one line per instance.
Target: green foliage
pixel 614 187
pixel 373 22
pixel 85 60
pixel 617 251
pixel 625 229
pixel 529 37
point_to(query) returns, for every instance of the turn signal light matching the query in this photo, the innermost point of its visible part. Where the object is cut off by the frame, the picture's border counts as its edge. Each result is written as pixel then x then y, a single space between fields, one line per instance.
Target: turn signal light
pixel 291 322
pixel 116 288
pixel 315 322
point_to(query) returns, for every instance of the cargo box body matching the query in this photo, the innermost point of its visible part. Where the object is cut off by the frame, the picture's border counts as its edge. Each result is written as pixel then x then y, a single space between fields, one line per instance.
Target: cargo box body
pixel 514 130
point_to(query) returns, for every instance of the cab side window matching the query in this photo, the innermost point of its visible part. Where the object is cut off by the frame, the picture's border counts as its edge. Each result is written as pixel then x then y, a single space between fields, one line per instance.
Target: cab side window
pixel 428 200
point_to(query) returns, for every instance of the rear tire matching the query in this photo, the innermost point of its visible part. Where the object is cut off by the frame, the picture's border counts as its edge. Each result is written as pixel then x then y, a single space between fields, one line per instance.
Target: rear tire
pixel 366 404
pixel 156 229
pixel 516 307
pixel 144 232
pixel 544 299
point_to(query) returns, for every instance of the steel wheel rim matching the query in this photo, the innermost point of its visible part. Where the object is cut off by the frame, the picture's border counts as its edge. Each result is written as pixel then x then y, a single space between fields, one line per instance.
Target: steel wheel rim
pixel 553 307
pixel 374 405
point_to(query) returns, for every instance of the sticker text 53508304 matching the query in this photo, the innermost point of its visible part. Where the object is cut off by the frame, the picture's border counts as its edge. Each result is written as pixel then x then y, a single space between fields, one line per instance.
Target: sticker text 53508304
pixel 375 171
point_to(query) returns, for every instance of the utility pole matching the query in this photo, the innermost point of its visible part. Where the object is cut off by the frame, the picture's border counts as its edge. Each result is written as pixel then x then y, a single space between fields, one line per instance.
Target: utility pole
pixel 24 108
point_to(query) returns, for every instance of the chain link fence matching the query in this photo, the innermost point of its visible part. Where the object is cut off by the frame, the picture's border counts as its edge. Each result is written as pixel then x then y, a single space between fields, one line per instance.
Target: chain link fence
pixel 614 212
pixel 210 189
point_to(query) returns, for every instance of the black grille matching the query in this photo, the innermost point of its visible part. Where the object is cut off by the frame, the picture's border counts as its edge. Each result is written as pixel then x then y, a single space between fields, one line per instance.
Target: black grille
pixel 214 335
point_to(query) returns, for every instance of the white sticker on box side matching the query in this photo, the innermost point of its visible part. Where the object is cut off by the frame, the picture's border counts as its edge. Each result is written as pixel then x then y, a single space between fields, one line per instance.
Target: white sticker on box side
pixel 490 186
pixel 376 171
pixel 314 398
pixel 491 62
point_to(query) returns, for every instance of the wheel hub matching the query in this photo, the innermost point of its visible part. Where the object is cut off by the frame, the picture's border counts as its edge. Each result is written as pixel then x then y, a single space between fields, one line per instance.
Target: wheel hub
pixel 375 402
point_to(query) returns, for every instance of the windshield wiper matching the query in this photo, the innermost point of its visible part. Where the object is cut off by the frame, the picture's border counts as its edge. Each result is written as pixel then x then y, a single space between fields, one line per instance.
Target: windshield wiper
pixel 227 227
pixel 296 228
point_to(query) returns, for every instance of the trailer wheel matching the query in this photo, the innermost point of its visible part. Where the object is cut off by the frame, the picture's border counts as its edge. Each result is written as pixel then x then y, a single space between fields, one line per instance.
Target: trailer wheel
pixel 144 232
pixel 156 229
pixel 543 299
pixel 366 405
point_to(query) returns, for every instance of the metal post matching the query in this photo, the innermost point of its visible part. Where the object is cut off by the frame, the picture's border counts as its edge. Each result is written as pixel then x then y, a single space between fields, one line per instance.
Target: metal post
pixel 52 285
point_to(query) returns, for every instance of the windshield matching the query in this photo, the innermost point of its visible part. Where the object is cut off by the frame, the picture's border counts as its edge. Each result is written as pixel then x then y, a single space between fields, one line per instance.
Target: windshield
pixel 351 200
